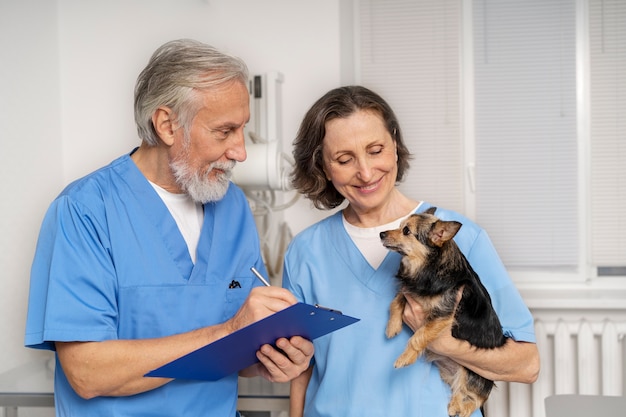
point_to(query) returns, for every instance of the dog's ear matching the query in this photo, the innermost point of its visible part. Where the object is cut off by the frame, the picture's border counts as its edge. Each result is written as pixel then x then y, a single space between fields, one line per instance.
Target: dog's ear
pixel 431 210
pixel 442 231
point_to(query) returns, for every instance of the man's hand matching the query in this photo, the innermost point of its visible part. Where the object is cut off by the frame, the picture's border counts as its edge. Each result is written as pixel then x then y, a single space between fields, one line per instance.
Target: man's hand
pixel 261 302
pixel 277 366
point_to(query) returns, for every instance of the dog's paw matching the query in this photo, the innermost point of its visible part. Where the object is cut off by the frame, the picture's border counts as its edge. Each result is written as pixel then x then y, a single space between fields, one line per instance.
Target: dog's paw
pixel 463 412
pixel 407 358
pixel 393 328
pixel 391 333
pixel 401 363
pixel 454 407
pixel 464 403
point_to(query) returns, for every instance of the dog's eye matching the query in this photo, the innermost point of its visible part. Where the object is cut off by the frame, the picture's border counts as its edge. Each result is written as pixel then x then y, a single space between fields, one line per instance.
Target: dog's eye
pixel 406 231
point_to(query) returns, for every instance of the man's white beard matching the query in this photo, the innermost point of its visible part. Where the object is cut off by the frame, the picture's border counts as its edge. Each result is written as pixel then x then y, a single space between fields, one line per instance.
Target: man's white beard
pixel 197 185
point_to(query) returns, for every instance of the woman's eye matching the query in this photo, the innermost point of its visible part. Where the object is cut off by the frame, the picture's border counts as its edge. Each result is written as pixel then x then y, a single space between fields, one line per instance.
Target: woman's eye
pixel 344 161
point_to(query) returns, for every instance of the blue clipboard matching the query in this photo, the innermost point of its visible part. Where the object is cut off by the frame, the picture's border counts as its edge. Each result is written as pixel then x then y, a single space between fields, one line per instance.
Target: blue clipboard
pixel 238 350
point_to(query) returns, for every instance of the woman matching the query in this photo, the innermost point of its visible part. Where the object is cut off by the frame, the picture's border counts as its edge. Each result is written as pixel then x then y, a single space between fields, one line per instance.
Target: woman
pixel 349 147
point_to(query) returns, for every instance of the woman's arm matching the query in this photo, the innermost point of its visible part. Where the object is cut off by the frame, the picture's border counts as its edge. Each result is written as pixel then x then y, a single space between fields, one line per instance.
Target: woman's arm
pixel 513 362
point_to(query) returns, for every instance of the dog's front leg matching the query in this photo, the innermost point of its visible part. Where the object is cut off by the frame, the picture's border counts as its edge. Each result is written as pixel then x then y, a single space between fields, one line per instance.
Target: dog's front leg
pixel 421 339
pixel 396 309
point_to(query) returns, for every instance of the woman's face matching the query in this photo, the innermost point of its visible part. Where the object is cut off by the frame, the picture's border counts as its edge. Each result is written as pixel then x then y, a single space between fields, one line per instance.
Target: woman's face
pixel 360 159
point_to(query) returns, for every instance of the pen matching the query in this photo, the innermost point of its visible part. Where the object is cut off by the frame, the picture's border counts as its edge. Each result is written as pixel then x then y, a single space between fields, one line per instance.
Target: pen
pixel 259 276
pixel 327 309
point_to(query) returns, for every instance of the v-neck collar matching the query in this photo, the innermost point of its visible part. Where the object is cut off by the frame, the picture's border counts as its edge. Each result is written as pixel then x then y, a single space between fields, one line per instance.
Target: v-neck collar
pixel 160 217
pixel 377 280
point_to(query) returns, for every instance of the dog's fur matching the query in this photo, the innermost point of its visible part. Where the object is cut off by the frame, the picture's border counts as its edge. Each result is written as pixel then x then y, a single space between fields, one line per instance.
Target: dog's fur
pixel 433 271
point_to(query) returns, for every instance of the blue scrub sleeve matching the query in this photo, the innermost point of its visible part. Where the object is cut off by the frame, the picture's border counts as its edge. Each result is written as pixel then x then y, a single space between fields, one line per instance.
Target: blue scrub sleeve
pixel 73 277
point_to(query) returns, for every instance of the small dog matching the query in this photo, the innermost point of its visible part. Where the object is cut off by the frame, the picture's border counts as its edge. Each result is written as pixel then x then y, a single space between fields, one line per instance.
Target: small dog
pixel 434 271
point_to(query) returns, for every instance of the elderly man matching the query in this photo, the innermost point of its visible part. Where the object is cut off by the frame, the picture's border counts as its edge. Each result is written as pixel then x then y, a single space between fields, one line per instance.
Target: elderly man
pixel 149 257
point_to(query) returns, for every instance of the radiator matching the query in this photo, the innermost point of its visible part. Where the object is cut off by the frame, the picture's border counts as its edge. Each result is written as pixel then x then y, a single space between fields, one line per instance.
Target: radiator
pixel 578 356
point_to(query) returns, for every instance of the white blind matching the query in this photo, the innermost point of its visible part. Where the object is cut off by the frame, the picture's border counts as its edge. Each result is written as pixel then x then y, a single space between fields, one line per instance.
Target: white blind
pixel 409 54
pixel 526 143
pixel 526 139
pixel 607 50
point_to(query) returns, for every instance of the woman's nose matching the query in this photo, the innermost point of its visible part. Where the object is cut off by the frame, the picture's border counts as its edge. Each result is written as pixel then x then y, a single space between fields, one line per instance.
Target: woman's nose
pixel 364 172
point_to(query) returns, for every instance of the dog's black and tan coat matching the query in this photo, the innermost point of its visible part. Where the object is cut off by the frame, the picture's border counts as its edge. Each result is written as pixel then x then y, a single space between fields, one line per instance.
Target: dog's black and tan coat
pixel 433 271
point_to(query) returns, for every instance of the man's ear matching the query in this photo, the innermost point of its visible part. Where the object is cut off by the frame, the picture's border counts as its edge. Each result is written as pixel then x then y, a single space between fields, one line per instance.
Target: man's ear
pixel 164 125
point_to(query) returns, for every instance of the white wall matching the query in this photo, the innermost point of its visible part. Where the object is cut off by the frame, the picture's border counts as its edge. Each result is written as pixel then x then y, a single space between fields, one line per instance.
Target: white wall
pixel 66 90
pixel 30 154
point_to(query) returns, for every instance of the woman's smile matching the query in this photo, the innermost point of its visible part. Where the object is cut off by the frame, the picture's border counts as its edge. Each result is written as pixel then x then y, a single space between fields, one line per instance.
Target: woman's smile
pixel 369 188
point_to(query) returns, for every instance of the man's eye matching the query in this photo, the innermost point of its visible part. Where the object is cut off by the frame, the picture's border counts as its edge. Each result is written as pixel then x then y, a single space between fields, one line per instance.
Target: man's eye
pixel 222 133
pixel 406 231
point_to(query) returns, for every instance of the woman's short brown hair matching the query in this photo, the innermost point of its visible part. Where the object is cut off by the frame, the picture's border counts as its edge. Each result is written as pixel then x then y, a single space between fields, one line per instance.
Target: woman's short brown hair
pixel 308 176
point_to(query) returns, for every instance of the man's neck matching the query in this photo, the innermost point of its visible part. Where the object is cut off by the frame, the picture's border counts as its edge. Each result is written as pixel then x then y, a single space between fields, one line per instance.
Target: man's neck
pixel 153 162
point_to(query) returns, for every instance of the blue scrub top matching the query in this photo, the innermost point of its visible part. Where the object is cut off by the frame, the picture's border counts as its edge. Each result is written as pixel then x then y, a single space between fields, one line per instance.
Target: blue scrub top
pixel 354 374
pixel 111 264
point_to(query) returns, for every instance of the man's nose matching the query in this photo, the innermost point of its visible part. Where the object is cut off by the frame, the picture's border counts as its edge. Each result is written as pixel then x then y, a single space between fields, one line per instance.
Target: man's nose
pixel 237 149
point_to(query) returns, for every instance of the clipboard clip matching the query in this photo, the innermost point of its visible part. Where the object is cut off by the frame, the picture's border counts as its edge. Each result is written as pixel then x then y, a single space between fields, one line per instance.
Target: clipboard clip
pixel 327 309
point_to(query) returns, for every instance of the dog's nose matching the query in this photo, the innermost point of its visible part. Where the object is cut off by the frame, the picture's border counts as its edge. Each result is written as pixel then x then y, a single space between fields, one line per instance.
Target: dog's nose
pixel 383 234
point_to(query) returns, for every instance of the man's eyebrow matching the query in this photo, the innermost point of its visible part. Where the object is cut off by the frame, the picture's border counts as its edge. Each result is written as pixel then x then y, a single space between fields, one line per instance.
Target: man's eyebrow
pixel 223 125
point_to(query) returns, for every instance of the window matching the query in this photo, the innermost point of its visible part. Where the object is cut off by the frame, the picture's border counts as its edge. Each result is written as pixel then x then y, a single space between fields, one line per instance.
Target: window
pixel 526 141
pixel 516 114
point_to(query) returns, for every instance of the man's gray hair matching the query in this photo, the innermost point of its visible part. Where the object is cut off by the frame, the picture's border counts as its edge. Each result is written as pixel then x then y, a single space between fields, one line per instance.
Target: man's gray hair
pixel 175 72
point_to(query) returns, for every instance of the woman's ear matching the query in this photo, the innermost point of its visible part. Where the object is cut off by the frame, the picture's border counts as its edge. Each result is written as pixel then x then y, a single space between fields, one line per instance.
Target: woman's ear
pixel 164 125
